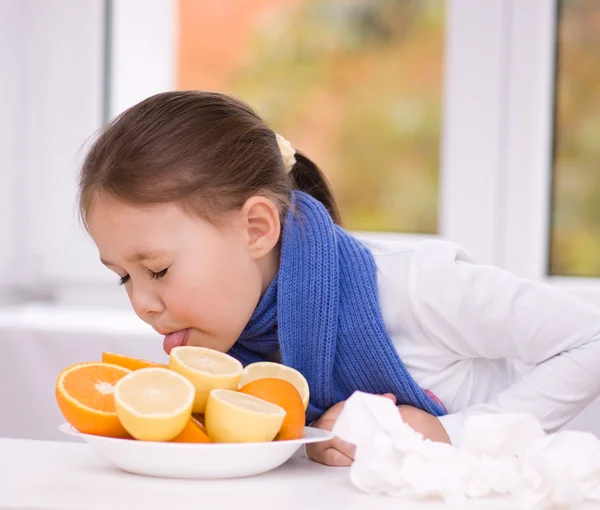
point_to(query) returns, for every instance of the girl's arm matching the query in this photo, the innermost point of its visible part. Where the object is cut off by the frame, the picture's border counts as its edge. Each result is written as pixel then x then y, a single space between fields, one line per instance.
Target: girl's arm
pixel 479 311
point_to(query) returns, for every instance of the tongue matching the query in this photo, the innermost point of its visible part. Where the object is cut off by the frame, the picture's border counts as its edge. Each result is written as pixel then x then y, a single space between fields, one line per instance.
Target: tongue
pixel 173 340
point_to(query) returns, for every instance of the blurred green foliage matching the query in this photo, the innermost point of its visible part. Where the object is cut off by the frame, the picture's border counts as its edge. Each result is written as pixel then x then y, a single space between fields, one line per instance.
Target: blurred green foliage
pixel 357 86
pixel 575 239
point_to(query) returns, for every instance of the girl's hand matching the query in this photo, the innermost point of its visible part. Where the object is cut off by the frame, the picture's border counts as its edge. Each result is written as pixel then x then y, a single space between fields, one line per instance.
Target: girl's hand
pixel 423 422
pixel 335 452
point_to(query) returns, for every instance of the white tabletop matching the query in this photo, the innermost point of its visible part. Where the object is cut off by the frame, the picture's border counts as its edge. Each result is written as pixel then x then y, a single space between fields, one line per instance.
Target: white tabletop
pixel 65 476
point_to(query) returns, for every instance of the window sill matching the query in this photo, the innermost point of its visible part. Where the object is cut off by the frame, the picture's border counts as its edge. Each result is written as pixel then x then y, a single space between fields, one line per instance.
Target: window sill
pixel 73 319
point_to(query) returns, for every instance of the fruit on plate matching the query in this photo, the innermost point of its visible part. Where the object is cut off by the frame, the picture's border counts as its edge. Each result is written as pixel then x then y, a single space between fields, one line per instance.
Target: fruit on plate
pixel 84 394
pixel 285 395
pixel 268 369
pixel 128 362
pixel 207 369
pixel 193 432
pixel 202 396
pixel 234 417
pixel 154 404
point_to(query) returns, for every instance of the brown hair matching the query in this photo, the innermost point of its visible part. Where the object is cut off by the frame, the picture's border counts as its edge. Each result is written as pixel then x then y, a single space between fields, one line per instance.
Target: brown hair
pixel 207 151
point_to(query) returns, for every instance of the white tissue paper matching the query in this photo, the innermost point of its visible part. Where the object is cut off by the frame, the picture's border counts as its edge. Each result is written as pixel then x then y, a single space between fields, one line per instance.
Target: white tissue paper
pixel 503 455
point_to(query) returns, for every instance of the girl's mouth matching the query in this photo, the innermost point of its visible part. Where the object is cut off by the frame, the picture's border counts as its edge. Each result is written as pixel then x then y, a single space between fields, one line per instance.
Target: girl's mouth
pixel 175 339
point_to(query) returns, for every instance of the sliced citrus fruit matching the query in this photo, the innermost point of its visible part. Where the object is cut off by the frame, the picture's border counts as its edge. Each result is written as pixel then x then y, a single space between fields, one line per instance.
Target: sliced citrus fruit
pixel 233 417
pixel 84 394
pixel 207 369
pixel 193 432
pixel 128 362
pixel 285 395
pixel 266 369
pixel 154 404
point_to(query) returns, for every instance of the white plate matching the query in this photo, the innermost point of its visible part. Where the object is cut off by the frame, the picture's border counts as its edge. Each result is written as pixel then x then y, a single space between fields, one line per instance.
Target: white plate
pixel 201 461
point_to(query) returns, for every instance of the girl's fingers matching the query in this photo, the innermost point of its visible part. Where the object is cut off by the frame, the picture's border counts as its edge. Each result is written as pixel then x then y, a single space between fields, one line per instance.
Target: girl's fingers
pixel 333 457
pixel 332 453
pixel 344 448
pixel 390 396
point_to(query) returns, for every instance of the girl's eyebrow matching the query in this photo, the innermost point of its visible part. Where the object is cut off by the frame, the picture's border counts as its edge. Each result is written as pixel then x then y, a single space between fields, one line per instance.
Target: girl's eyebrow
pixel 139 256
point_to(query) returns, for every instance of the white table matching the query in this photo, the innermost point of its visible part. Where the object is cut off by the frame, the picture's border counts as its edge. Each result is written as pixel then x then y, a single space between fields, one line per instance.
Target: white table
pixel 63 476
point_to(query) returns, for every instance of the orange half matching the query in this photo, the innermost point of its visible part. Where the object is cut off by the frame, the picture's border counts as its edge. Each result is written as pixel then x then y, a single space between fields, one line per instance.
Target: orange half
pixel 128 362
pixel 84 394
pixel 285 395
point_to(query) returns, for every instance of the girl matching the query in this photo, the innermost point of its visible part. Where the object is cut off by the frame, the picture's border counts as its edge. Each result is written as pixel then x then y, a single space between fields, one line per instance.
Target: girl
pixel 226 237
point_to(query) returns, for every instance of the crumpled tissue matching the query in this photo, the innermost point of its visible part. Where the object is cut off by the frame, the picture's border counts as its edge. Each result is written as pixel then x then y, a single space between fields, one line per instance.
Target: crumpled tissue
pixel 502 455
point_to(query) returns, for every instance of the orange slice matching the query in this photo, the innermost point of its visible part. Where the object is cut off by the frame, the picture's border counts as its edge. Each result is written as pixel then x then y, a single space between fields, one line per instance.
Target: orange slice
pixel 128 362
pixel 84 394
pixel 285 395
pixel 193 432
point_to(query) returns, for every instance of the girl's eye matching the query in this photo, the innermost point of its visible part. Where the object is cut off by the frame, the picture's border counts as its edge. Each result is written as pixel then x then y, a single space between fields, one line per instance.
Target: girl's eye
pixel 159 275
pixel 155 276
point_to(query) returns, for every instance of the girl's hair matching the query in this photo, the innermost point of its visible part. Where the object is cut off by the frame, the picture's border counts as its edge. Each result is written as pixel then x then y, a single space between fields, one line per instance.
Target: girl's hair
pixel 207 151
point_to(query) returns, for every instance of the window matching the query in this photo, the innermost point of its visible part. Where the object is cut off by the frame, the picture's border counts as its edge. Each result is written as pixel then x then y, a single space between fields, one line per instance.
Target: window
pixel 575 234
pixel 357 86
pixel 549 230
pixel 439 114
pixel 430 186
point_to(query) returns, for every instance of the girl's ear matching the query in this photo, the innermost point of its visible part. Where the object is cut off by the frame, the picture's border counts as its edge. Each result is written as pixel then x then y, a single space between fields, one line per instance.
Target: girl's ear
pixel 260 218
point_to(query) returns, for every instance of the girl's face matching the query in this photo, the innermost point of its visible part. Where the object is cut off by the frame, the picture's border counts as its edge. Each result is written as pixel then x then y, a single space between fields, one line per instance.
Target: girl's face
pixel 195 282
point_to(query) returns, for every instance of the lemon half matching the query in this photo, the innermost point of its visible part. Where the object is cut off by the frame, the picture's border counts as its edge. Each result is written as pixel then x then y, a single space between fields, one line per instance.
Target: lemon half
pixel 206 369
pixel 154 404
pixel 233 417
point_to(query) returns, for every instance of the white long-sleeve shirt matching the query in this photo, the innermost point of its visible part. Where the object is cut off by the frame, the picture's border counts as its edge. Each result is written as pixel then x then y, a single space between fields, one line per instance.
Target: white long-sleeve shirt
pixel 483 340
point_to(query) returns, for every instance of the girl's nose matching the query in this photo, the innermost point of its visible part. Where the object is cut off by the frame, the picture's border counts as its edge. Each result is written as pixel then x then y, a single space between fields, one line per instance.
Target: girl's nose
pixel 145 302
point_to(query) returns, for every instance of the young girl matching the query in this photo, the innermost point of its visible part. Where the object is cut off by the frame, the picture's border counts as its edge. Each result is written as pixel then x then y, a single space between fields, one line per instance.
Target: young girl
pixel 226 237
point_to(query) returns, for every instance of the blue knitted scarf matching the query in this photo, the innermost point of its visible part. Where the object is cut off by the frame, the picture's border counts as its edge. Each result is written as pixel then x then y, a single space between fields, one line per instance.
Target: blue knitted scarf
pixel 321 315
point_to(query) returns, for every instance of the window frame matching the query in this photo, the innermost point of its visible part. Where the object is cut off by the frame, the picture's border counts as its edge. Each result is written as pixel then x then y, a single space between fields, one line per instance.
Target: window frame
pixel 11 128
pixel 529 148
pixel 487 139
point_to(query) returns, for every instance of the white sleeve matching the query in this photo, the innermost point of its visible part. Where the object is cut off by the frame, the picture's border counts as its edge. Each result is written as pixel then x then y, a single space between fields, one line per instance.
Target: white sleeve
pixel 480 311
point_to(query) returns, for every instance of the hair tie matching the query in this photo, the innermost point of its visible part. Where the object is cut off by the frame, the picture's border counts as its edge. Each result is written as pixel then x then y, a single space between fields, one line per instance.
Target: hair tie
pixel 288 153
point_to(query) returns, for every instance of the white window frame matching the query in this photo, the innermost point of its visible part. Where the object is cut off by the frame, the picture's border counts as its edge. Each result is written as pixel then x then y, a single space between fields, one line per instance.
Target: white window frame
pixel 471 198
pixel 498 55
pixel 529 139
pixel 51 59
pixel 11 128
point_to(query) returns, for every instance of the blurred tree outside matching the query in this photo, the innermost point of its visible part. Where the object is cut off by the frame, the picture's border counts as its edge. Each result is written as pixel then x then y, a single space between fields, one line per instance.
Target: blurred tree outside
pixel 354 84
pixel 575 232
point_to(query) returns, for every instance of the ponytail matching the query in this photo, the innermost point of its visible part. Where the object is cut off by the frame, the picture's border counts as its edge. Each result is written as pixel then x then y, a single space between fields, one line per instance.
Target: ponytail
pixel 308 177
